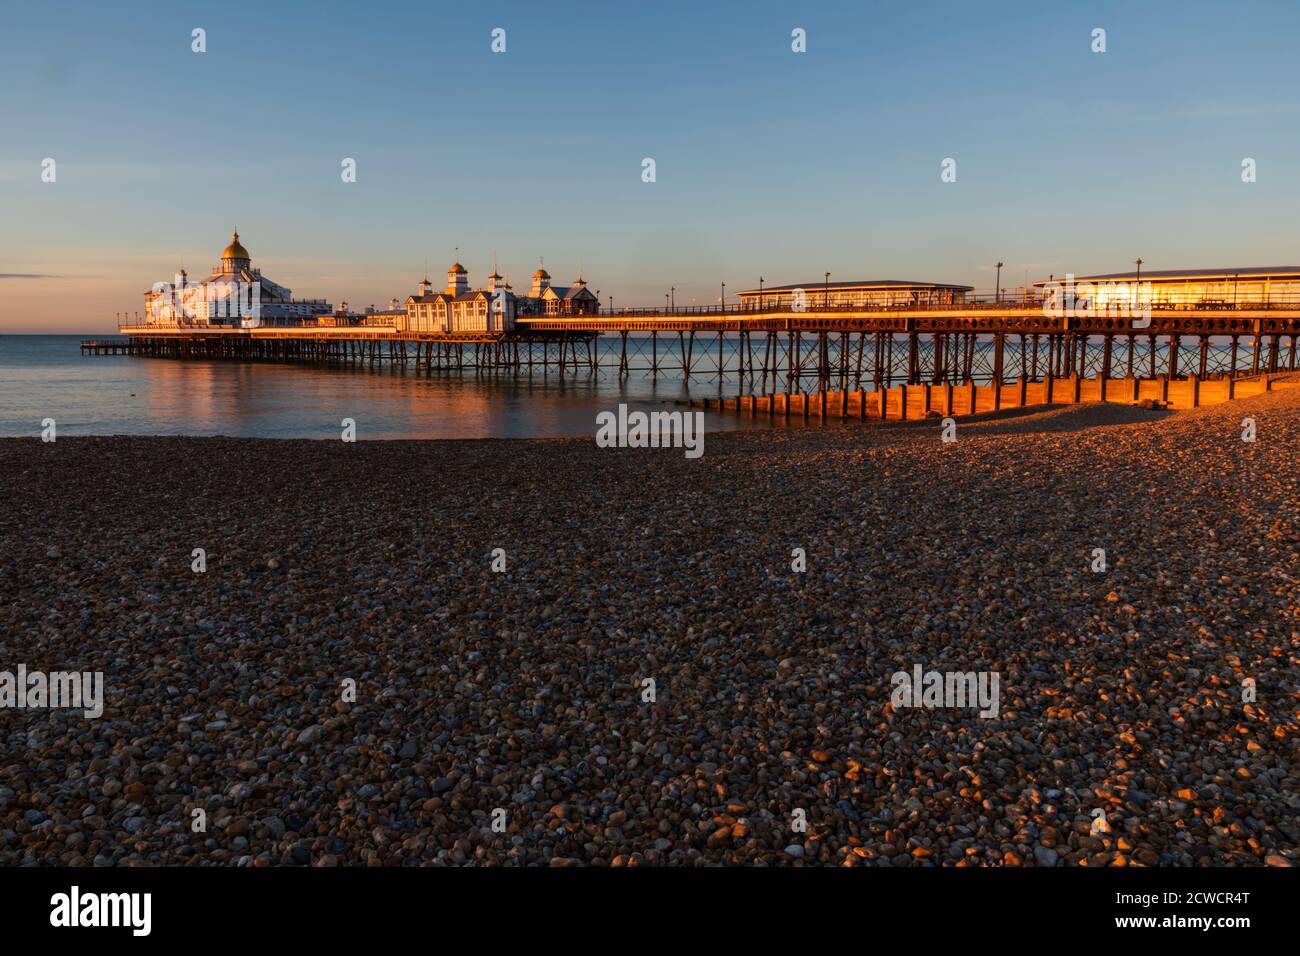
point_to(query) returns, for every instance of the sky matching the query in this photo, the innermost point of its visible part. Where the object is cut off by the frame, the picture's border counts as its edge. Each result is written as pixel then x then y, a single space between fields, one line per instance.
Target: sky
pixel 768 162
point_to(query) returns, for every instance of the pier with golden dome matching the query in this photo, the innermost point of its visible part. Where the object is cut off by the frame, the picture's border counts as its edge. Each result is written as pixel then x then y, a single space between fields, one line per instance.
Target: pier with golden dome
pixel 870 348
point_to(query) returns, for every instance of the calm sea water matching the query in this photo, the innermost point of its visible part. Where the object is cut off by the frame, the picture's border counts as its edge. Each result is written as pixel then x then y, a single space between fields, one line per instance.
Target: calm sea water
pixel 46 376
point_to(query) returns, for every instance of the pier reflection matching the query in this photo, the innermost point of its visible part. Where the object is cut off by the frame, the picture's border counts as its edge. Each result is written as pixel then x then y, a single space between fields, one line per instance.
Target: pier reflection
pixel 293 401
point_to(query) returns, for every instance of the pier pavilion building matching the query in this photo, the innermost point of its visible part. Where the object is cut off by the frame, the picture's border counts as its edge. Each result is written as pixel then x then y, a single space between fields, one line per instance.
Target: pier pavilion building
pixel 862 293
pixel 1218 288
pixel 458 308
pixel 235 295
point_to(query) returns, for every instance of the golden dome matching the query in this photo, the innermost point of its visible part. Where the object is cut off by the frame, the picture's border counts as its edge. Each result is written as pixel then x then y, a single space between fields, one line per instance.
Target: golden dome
pixel 541 274
pixel 235 250
pixel 457 268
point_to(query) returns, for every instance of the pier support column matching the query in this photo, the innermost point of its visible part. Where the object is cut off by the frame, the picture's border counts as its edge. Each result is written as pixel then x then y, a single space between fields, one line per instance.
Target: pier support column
pixel 999 344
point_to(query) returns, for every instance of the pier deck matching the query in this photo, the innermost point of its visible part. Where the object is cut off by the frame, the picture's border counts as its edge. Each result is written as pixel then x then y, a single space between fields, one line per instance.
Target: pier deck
pixel 765 351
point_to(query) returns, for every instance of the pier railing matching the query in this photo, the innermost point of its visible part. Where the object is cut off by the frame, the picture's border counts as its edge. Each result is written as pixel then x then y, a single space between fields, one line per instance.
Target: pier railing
pixel 1019 304
pixel 974 303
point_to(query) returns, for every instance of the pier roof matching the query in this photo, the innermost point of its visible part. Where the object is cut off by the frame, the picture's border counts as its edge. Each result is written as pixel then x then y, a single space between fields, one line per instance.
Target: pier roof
pixel 857 284
pixel 1244 272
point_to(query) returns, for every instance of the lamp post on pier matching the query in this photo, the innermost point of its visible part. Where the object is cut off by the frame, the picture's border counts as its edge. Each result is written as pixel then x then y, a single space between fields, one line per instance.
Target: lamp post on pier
pixel 724 297
pixel 762 303
pixel 672 292
pixel 997 288
pixel 1137 281
pixel 826 292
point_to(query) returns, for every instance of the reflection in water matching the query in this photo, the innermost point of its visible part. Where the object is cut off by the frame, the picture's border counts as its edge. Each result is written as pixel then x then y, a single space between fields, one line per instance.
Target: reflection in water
pixel 46 376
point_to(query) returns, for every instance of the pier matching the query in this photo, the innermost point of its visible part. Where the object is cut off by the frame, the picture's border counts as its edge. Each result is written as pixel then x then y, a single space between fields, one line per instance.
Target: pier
pixel 836 354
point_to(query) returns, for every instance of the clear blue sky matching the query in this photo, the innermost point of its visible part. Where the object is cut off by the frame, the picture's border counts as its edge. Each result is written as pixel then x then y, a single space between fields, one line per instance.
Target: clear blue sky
pixel 768 162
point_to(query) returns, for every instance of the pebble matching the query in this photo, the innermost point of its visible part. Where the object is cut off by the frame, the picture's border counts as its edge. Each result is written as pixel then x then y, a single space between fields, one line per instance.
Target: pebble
pixel 311 734
pixel 1120 690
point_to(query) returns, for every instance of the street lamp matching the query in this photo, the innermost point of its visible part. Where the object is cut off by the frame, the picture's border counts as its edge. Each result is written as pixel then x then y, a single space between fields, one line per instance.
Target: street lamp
pixel 826 292
pixel 997 289
pixel 762 303
pixel 1137 281
pixel 673 297
pixel 665 303
pixel 724 297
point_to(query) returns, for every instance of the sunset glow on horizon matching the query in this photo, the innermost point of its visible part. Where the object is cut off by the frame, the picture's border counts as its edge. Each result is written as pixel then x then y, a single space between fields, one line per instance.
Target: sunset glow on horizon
pixel 761 171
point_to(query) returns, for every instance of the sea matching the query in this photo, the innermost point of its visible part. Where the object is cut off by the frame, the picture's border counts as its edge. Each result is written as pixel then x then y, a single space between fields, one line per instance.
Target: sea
pixel 47 376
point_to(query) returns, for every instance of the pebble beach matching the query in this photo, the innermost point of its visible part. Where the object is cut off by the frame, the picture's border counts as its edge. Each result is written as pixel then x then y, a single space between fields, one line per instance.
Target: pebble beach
pixel 349 682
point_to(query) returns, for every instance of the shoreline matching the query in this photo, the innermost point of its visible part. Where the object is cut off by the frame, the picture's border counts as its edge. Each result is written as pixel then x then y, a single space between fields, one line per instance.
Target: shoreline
pixel 1090 415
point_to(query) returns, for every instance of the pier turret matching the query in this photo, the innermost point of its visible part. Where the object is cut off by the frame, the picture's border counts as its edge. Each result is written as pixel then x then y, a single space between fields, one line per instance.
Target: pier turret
pixel 457 279
pixel 541 282
pixel 235 257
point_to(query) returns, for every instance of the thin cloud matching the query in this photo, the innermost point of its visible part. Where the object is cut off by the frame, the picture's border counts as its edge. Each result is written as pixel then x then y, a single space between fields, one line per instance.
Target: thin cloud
pixel 26 275
pixel 1227 112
